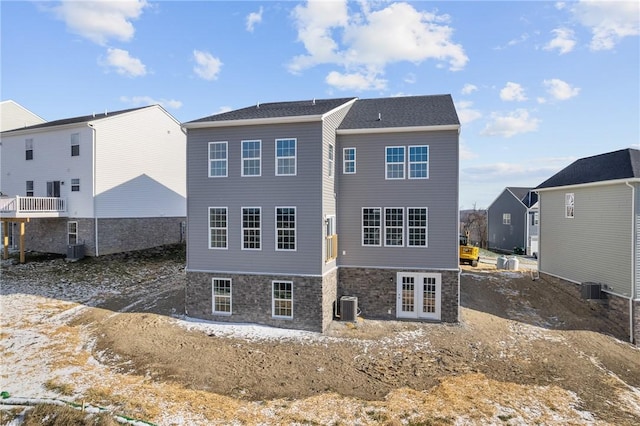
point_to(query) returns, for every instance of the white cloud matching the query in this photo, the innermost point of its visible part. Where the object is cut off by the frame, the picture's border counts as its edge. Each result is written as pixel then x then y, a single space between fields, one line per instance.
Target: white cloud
pixel 207 65
pixel 101 20
pixel 512 124
pixel 355 81
pixel 609 21
pixel 124 63
pixel 560 90
pixel 410 78
pixel 466 114
pixel 254 18
pixel 148 100
pixel 466 153
pixel 365 42
pixel 535 172
pixel 469 88
pixel 564 41
pixel 512 92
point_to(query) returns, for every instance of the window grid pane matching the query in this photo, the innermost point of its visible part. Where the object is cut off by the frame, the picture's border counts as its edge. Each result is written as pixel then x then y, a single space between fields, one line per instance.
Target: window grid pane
pixel 72 232
pixel 371 226
pixel 218 227
pixel 417 227
pixel 217 159
pixel 349 162
pixel 221 295
pixel 251 228
pixel 394 227
pixel 418 162
pixel 395 162
pixel 285 157
pixel 282 299
pixel 251 158
pixel 285 228
pixel 330 159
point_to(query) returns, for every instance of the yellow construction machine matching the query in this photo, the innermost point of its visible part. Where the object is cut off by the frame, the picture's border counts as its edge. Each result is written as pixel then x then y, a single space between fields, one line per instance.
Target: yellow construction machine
pixel 468 253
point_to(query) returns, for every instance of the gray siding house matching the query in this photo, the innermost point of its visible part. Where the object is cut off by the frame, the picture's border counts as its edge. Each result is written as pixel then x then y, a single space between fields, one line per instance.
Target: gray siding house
pixel 512 221
pixel 589 229
pixel 293 205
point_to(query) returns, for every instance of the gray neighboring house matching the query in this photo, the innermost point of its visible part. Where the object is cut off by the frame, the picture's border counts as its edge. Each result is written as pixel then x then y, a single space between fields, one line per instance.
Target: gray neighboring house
pixel 589 229
pixel 512 221
pixel 293 205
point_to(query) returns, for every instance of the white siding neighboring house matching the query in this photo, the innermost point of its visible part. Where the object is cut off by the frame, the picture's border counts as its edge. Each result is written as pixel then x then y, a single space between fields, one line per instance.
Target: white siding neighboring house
pixel 15 116
pixel 112 182
pixel 589 229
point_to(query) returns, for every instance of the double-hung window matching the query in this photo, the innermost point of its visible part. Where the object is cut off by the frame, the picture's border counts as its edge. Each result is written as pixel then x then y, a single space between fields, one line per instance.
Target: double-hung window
pixel 75 144
pixel 506 218
pixel 394 162
pixel 282 299
pixel 330 159
pixel 72 232
pixel 217 159
pixel 28 149
pixel 217 227
pixel 417 227
pixel 251 158
pixel 221 296
pixel 29 189
pixel 251 228
pixel 285 228
pixel 371 226
pixel 419 162
pixel 569 204
pixel 393 226
pixel 75 185
pixel 349 161
pixel 286 157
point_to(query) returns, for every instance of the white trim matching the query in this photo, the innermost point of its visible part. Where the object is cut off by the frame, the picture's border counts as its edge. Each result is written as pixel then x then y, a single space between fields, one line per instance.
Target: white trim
pixel 273 300
pixel 226 159
pixel 295 228
pixel 402 234
pixel 345 161
pixel 226 228
pixel 242 229
pixel 213 297
pixel 399 129
pixel 399 268
pixel 426 228
pixel 331 160
pixel 328 113
pixel 404 163
pixel 72 233
pixel 295 157
pixel 586 185
pixel 417 162
pixel 242 159
pixel 381 234
pixel 269 274
pixel 253 121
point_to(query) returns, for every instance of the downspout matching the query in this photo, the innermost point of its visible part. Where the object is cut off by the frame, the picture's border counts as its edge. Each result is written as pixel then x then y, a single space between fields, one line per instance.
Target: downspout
pixel 633 260
pixel 93 171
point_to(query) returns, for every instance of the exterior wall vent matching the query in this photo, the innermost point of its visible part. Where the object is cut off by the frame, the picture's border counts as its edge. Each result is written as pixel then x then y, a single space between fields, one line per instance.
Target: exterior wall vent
pixel 349 308
pixel 590 290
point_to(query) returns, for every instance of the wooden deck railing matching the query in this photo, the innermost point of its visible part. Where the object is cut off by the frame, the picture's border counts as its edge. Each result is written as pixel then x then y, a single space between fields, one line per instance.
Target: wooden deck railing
pixel 20 204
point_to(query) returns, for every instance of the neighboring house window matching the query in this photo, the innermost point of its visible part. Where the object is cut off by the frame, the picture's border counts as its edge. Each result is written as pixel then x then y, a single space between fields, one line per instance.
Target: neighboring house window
pixel 349 161
pixel 417 227
pixel 251 158
pixel 331 239
pixel 217 159
pixel 251 228
pixel 72 232
pixel 285 157
pixel 569 201
pixel 285 228
pixel 221 295
pixel 393 226
pixel 419 162
pixel 282 299
pixel 75 185
pixel 29 191
pixel 394 162
pixel 218 227
pixel 28 146
pixel 371 226
pixel 535 218
pixel 506 218
pixel 330 159
pixel 75 144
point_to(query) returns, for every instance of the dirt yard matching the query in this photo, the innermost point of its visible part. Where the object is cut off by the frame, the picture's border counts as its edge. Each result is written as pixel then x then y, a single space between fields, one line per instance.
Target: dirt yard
pixel 110 332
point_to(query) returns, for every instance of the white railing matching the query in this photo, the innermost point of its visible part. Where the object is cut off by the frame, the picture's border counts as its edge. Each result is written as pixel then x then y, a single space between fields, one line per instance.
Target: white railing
pixel 33 205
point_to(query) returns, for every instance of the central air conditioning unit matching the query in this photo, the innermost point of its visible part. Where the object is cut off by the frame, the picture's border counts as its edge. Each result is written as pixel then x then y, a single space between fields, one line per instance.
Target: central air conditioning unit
pixel 75 251
pixel 349 308
pixel 591 291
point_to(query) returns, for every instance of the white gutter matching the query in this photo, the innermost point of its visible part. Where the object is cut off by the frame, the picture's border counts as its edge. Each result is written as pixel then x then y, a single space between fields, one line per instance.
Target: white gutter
pixel 253 121
pixel 398 129
pixel 589 184
pixel 633 260
pixel 93 171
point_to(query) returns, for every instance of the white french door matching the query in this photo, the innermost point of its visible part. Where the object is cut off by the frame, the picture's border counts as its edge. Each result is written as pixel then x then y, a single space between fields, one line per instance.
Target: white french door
pixel 418 295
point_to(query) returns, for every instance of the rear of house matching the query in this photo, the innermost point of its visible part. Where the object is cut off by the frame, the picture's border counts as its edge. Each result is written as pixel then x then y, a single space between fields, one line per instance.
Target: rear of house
pixel 512 221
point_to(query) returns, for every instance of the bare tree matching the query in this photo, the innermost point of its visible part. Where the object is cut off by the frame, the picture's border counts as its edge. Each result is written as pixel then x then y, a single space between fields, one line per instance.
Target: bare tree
pixel 475 222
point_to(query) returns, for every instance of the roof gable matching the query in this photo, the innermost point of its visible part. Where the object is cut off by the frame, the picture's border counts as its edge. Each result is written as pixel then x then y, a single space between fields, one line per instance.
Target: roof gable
pixel 622 164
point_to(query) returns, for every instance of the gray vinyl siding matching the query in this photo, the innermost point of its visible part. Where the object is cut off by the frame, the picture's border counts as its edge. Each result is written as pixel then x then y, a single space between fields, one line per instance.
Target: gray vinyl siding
pixel 506 237
pixel 369 188
pixel 636 214
pixel 595 245
pixel 267 191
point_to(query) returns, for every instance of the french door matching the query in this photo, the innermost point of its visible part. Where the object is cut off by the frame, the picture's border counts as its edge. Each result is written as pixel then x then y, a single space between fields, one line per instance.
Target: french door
pixel 418 295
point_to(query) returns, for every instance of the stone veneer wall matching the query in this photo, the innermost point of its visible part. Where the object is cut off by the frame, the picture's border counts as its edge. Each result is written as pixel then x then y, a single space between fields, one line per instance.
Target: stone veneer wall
pixel 251 299
pixel 376 291
pixel 49 235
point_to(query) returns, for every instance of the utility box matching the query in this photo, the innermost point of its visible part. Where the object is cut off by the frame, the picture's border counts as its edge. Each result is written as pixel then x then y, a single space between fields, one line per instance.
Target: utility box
pixel 591 291
pixel 349 308
pixel 75 251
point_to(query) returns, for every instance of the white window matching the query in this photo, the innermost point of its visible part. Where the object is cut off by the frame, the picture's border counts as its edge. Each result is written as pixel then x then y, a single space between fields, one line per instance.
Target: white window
pixel 217 159
pixel 75 144
pixel 330 159
pixel 393 226
pixel 217 227
pixel 535 218
pixel 29 191
pixel 419 162
pixel 285 228
pixel 394 162
pixel 569 201
pixel 349 161
pixel 251 235
pixel 371 226
pixel 506 218
pixel 282 299
pixel 72 232
pixel 286 157
pixel 75 185
pixel 28 147
pixel 331 239
pixel 221 296
pixel 251 158
pixel 417 227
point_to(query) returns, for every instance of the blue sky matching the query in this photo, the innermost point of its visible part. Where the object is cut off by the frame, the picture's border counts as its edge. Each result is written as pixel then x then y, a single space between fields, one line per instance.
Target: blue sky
pixel 536 84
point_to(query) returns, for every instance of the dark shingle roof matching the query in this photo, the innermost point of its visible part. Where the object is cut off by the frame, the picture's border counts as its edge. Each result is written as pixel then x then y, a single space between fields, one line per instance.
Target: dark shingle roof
pixel 622 164
pixel 75 120
pixel 278 109
pixel 525 195
pixel 406 111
